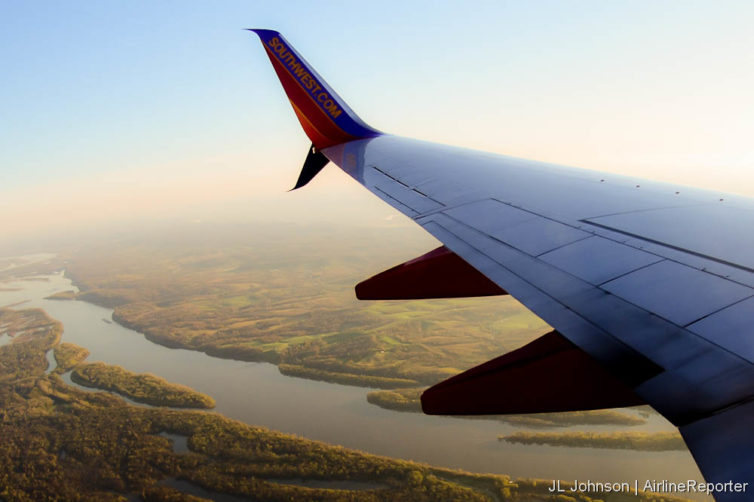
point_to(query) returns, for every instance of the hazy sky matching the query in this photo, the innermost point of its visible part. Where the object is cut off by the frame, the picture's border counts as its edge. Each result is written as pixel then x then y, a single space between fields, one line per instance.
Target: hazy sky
pixel 111 107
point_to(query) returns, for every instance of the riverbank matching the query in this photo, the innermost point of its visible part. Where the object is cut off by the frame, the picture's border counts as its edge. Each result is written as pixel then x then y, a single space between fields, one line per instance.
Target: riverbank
pixel 237 300
pixel 142 388
pixel 94 446
pixel 256 393
pixel 68 355
pixel 409 400
pixel 645 441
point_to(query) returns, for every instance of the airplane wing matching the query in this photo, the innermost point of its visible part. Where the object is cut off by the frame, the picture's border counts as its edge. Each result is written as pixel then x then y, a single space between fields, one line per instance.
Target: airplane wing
pixel 649 286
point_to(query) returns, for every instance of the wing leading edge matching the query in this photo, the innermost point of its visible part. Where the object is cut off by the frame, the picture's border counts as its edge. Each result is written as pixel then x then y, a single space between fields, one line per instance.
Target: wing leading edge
pixel 621 267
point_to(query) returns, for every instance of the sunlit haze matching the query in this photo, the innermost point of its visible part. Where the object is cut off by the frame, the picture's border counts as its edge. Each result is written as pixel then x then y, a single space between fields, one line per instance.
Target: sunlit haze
pixel 155 263
pixel 115 110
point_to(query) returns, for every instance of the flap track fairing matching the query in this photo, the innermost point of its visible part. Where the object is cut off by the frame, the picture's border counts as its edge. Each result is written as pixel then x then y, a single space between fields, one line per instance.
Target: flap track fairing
pixel 550 374
pixel 438 274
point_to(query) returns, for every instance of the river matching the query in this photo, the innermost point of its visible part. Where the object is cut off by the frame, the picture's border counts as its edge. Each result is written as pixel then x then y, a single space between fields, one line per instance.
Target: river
pixel 258 394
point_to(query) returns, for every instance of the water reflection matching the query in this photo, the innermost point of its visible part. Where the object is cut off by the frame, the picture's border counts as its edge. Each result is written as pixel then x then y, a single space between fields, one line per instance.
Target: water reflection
pixel 179 442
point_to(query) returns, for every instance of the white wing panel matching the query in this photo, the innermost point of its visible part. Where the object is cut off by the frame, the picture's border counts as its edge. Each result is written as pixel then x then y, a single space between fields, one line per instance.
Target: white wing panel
pixel 676 292
pixel 598 260
pixel 540 236
pixel 407 196
pixel 715 231
pixel 520 229
pixel 490 216
pixel 732 328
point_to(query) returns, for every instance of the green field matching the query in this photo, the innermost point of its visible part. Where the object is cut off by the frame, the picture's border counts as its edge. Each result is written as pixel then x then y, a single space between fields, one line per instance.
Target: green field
pixel 257 297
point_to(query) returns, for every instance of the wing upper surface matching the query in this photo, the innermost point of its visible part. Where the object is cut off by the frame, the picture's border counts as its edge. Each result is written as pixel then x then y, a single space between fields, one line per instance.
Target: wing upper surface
pixel 647 304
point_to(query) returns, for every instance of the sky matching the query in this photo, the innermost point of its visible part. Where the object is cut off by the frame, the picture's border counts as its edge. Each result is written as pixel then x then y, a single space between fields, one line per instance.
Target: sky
pixel 150 109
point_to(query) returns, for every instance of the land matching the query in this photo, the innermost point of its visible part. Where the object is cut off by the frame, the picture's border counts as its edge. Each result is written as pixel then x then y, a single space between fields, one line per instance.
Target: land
pixel 234 295
pixel 252 294
pixel 63 295
pixel 408 399
pixel 647 441
pixel 29 267
pixel 141 387
pixel 229 292
pixel 92 446
pixel 567 419
pixel 32 333
pixel 343 377
pixel 68 355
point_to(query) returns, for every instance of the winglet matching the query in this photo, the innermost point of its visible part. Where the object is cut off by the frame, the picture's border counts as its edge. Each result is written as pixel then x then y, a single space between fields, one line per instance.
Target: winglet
pixel 325 117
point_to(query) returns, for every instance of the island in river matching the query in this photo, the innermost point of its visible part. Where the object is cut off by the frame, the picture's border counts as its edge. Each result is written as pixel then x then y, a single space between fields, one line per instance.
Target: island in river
pixel 657 441
pixel 78 445
pixel 141 387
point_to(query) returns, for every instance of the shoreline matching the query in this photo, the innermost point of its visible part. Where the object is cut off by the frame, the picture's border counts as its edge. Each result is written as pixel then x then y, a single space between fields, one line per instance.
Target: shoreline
pixel 376 387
